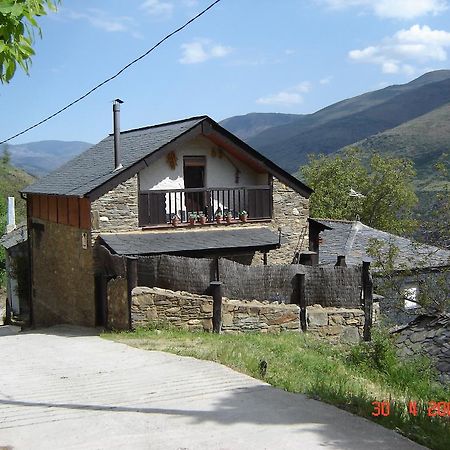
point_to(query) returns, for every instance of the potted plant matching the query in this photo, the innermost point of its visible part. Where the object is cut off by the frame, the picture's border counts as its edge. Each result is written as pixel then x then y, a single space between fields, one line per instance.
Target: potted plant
pixel 218 215
pixel 229 217
pixel 192 218
pixel 243 216
pixel 202 218
pixel 175 220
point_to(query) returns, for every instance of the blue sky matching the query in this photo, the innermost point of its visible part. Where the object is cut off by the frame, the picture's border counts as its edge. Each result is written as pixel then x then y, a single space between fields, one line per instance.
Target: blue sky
pixel 292 56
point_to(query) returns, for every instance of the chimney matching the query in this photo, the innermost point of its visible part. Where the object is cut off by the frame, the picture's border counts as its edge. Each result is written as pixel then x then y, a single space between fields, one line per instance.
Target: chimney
pixel 11 225
pixel 116 122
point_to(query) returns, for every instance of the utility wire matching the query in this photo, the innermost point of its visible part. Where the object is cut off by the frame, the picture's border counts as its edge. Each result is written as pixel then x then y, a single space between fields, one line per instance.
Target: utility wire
pixel 116 75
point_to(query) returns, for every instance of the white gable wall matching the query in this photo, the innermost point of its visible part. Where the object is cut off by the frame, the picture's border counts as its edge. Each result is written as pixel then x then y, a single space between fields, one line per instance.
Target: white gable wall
pixel 220 169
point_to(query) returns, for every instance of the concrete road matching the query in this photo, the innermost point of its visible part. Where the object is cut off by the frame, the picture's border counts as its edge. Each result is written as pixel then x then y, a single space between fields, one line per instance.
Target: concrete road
pixel 64 389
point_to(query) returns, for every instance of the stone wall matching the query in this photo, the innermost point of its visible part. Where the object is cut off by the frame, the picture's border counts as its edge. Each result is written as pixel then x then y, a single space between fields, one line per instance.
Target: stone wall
pixel 336 324
pixel 117 210
pixel 290 213
pixel 427 335
pixel 194 312
pixel 62 275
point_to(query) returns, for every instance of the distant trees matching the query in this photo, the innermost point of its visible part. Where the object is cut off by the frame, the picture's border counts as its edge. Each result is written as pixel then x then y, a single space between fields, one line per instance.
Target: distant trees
pixel 17 27
pixel 435 222
pixel 378 191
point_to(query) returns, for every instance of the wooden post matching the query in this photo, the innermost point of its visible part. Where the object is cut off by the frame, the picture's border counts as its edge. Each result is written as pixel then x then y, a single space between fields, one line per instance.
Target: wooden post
pixel 301 289
pixel 8 313
pixel 132 282
pixel 216 290
pixel 367 291
pixel 341 261
pixel 132 272
pixel 217 271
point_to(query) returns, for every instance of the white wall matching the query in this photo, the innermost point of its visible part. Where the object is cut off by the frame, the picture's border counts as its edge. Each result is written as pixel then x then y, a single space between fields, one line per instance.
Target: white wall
pixel 220 171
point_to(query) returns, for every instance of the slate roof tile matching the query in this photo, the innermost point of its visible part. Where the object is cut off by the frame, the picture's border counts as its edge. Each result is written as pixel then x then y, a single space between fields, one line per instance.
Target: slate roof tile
pixel 353 238
pixel 148 243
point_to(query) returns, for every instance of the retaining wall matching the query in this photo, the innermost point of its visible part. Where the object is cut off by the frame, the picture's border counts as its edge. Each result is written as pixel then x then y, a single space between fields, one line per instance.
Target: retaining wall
pixel 194 312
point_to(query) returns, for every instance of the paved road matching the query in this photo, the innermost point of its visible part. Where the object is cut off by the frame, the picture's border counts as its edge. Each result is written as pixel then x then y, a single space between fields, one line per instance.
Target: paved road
pixel 63 389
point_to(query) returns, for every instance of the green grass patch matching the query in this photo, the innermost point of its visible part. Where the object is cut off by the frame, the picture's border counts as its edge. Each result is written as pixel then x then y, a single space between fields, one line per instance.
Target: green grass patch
pixel 351 378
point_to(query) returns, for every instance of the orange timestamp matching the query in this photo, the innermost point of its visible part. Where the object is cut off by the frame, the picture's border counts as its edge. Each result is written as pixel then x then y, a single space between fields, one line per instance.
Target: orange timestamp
pixel 434 409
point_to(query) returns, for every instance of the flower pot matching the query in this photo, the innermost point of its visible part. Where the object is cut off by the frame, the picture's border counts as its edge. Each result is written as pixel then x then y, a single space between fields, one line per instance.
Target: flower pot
pixel 229 219
pixel 175 221
pixel 218 219
pixel 243 217
pixel 192 221
pixel 202 220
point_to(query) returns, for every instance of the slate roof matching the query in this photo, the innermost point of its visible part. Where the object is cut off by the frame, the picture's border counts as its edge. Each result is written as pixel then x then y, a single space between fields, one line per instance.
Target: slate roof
pixel 17 236
pixel 152 243
pixel 352 239
pixel 95 166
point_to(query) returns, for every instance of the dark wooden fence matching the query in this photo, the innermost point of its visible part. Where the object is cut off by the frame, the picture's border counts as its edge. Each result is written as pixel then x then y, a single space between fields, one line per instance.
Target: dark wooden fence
pixel 327 286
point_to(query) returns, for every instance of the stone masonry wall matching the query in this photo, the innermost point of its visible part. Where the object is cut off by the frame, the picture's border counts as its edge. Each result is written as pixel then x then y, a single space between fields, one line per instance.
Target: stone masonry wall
pixel 336 324
pixel 117 210
pixel 194 312
pixel 62 278
pixel 427 335
pixel 290 213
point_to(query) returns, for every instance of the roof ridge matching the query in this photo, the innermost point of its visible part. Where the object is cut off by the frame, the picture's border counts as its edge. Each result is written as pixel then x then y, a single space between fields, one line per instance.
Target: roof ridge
pixel 334 220
pixel 174 122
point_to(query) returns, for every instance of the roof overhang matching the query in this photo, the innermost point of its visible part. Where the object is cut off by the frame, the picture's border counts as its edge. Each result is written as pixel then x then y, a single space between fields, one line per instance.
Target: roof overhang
pixel 214 242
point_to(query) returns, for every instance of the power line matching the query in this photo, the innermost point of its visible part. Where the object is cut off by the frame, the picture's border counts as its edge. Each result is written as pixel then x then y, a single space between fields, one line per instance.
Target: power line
pixel 115 75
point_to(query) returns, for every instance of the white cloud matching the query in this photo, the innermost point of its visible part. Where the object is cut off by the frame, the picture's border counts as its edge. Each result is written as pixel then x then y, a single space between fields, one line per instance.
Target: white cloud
pixel 399 53
pixel 157 8
pixel 201 50
pixel 326 80
pixel 288 97
pixel 393 9
pixel 103 21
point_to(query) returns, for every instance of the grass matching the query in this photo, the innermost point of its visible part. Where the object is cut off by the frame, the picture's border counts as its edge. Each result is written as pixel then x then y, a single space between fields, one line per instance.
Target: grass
pixel 351 378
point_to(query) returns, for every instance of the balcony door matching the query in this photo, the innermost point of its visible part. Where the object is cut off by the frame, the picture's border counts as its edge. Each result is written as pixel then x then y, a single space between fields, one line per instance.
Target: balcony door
pixel 194 178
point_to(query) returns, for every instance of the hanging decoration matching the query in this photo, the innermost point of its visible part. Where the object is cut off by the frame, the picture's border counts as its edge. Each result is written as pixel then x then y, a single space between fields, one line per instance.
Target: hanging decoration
pixel 172 160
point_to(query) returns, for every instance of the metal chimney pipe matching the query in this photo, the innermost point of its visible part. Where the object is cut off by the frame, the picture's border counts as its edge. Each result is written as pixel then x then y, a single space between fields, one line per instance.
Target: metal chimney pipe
pixel 116 122
pixel 11 225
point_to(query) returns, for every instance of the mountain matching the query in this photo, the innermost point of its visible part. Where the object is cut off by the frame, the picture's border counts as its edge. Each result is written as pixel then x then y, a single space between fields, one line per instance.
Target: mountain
pixel 39 158
pixel 349 121
pixel 423 140
pixel 251 124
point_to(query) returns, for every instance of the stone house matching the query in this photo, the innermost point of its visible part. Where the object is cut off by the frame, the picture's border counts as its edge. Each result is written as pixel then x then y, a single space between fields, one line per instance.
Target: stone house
pixel 417 270
pixel 136 193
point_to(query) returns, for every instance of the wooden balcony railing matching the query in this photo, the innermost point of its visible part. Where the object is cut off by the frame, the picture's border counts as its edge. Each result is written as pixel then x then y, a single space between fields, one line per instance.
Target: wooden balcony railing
pixel 159 207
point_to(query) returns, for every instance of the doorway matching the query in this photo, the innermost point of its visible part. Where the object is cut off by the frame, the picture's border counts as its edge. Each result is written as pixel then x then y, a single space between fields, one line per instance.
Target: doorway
pixel 194 178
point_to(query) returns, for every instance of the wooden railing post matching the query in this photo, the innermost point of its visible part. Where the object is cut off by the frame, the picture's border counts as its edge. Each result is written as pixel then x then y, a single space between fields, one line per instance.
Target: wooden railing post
pixel 367 292
pixel 216 291
pixel 301 289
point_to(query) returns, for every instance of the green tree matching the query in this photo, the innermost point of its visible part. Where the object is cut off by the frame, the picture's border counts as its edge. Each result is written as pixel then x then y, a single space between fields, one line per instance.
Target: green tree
pixel 435 220
pixel 17 33
pixel 6 156
pixel 379 191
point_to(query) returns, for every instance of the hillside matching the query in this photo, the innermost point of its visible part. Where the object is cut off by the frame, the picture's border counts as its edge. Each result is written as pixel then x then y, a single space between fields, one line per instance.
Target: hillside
pixel 348 121
pixel 11 181
pixel 250 125
pixel 39 158
pixel 423 140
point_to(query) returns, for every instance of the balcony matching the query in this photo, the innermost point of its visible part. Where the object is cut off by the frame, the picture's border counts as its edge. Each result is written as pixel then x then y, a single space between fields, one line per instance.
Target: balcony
pixel 159 207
